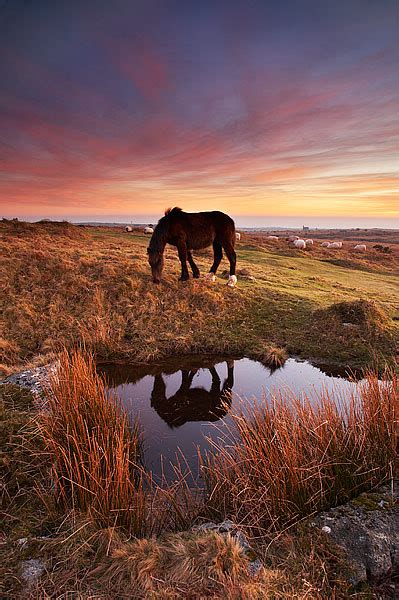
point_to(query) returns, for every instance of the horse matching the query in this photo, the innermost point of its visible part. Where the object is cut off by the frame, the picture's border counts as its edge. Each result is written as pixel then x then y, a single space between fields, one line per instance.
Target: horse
pixel 193 403
pixel 193 231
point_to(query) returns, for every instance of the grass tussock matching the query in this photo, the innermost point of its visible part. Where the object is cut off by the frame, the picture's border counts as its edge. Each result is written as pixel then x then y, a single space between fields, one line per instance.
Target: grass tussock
pixel 271 356
pixel 96 459
pixel 43 228
pixel 362 313
pixel 359 327
pixel 298 456
pixel 188 562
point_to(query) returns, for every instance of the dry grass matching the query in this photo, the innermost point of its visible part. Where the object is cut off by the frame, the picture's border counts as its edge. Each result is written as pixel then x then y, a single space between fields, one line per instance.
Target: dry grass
pixel 298 456
pixel 90 562
pixel 19 468
pixel 60 291
pixel 62 285
pixel 96 459
pixel 187 562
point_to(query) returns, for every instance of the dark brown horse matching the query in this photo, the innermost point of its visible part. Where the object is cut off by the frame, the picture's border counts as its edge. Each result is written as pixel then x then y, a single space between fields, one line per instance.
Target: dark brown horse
pixel 193 231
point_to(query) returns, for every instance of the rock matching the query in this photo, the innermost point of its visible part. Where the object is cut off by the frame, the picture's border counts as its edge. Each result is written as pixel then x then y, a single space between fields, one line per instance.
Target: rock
pixel 22 541
pixel 32 378
pixel 226 526
pixel 255 565
pixel 326 529
pixel 367 529
pixel 31 570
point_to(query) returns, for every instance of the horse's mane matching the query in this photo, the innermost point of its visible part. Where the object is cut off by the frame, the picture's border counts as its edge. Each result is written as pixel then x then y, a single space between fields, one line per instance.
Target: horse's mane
pixel 173 211
pixel 158 239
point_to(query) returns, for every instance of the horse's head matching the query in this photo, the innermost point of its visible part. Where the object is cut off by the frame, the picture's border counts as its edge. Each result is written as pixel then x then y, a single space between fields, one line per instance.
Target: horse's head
pixel 155 258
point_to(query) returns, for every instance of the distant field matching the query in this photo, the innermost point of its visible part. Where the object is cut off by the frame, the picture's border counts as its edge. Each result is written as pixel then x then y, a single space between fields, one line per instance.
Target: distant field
pixel 64 284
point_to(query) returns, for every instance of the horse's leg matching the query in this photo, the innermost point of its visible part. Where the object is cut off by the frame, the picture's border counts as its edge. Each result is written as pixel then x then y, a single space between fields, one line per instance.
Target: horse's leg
pixel 182 250
pixel 191 376
pixel 229 382
pixel 226 394
pixel 215 387
pixel 193 266
pixel 217 257
pixel 186 381
pixel 228 247
pixel 158 394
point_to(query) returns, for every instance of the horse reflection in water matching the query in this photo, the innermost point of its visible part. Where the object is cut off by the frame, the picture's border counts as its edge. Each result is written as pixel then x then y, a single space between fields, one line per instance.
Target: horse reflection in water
pixel 193 403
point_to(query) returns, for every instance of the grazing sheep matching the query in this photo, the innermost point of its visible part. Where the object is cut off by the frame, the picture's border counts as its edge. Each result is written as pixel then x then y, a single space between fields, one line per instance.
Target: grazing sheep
pixel 128 228
pixel 300 244
pixel 360 248
pixel 325 244
pixel 292 238
pixel 272 237
pixel 334 245
pixel 309 242
pixel 238 236
pixel 148 230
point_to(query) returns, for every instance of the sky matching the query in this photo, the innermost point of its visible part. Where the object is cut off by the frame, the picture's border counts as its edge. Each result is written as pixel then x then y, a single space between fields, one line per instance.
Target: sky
pixel 280 112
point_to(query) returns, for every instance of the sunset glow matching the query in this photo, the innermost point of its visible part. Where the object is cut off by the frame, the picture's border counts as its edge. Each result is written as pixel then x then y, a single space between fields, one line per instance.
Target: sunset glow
pixel 272 110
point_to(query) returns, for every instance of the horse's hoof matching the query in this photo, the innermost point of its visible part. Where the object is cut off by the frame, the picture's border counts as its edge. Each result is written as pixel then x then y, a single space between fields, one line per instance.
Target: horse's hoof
pixel 211 277
pixel 182 279
pixel 232 281
pixel 196 275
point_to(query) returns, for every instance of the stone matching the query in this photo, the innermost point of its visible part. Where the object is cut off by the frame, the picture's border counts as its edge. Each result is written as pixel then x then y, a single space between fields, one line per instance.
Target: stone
pixel 326 529
pixel 22 541
pixel 31 570
pixel 367 529
pixel 32 379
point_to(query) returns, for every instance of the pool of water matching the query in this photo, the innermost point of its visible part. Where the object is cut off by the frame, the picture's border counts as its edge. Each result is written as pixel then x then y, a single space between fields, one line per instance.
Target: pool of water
pixel 181 402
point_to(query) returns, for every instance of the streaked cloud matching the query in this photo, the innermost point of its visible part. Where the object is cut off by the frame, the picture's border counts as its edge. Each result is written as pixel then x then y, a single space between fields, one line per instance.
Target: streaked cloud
pixel 257 108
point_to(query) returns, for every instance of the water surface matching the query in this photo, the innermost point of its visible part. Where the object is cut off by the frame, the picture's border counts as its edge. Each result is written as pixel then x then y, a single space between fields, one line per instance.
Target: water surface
pixel 181 401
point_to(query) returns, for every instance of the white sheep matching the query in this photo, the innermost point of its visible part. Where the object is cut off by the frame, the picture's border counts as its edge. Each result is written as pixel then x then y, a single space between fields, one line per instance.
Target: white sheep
pixel 334 245
pixel 325 244
pixel 238 236
pixel 272 237
pixel 148 230
pixel 292 238
pixel 300 244
pixel 360 248
pixel 309 242
pixel 128 228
